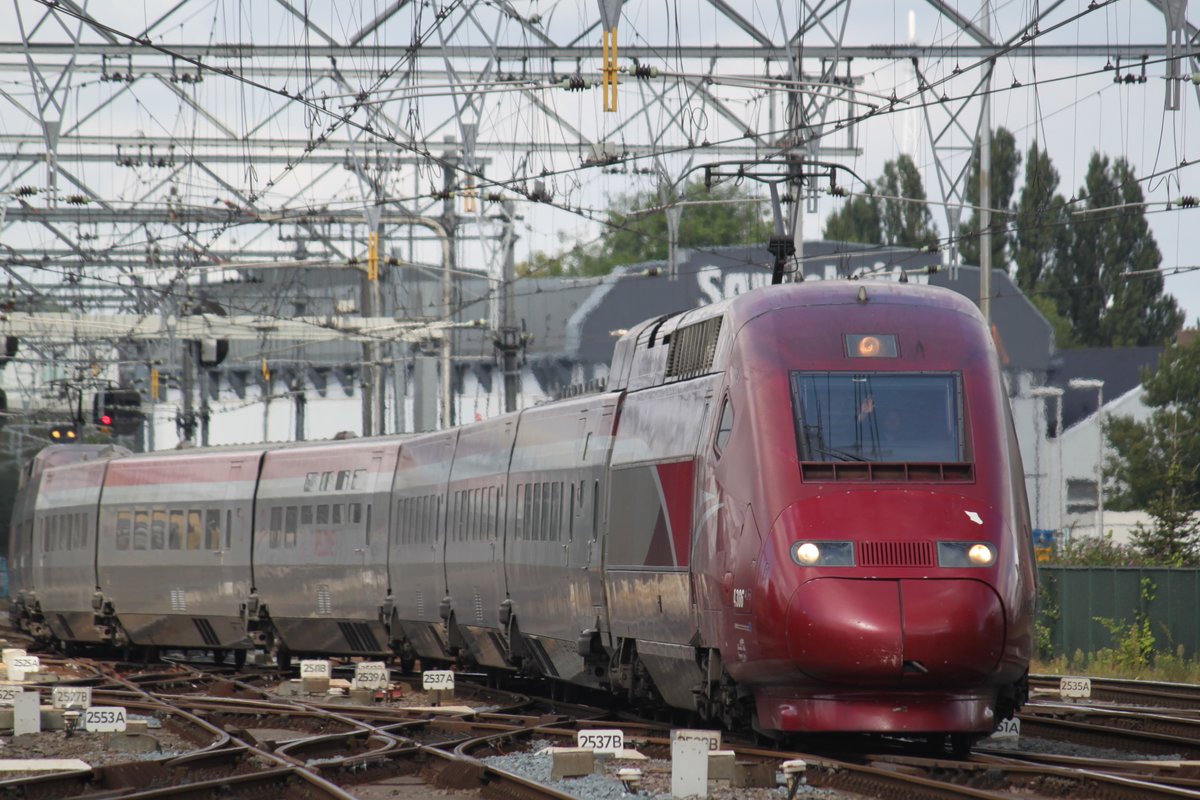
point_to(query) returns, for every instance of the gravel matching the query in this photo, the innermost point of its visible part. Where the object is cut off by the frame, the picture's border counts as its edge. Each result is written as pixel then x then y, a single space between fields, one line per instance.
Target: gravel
pixel 656 779
pixel 1052 747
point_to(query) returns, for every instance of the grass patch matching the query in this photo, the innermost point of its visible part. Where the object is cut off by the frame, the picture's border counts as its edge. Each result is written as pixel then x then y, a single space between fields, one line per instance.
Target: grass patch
pixel 1169 667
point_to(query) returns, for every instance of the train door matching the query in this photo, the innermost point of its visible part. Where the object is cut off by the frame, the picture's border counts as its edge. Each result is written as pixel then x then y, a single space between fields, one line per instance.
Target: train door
pixel 585 561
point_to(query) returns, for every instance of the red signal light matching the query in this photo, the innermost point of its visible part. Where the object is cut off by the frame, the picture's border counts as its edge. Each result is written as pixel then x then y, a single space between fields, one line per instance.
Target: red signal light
pixel 106 419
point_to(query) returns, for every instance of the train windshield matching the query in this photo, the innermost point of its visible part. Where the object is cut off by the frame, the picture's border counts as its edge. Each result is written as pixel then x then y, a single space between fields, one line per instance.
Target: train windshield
pixel 878 416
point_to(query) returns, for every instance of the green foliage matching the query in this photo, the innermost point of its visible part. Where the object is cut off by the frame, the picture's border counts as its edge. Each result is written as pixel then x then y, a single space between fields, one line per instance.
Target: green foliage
pixel 904 224
pixel 1133 648
pixel 1041 233
pixel 1106 306
pixel 1045 620
pixel 1006 160
pixel 1156 463
pixel 857 221
pixel 1096 551
pixel 724 215
pixel 874 219
pixel 1064 335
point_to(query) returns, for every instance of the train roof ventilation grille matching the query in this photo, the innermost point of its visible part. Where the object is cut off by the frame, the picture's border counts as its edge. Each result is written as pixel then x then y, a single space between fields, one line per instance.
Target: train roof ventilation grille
pixel 891 472
pixel 895 554
pixel 693 349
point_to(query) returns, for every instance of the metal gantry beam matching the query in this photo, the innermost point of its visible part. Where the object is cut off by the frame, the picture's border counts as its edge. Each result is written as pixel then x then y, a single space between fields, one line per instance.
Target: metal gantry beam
pixel 319 118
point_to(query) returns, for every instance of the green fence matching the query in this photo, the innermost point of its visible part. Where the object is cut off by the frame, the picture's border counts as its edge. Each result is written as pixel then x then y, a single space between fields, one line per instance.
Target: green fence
pixel 1071 599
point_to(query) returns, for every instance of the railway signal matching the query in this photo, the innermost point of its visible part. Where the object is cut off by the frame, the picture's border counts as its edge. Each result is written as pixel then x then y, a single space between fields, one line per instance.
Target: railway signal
pixel 118 410
pixel 66 433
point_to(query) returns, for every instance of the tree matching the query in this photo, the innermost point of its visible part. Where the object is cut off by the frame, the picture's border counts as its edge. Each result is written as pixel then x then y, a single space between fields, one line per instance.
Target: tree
pixel 723 215
pixel 907 224
pixel 857 221
pixel 880 220
pixel 1003 180
pixel 1156 465
pixel 1106 279
pixel 1040 233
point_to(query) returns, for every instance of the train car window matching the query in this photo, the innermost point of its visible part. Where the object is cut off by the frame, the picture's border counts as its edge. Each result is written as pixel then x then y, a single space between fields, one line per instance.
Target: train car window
pixel 535 521
pixel 571 515
pixel 195 529
pixel 158 529
pixel 175 530
pixel 520 511
pixel 343 479
pixel 323 514
pixel 355 510
pixel 326 481
pixel 212 527
pixel 595 509
pixel 49 526
pixel 556 512
pixel 336 513
pixel 306 515
pixel 367 527
pixel 141 528
pixel 724 427
pixel 124 528
pixel 879 416
pixel 78 533
pixel 229 529
pixel 359 480
pixel 291 518
pixel 310 481
pixel 276 529
pixel 456 516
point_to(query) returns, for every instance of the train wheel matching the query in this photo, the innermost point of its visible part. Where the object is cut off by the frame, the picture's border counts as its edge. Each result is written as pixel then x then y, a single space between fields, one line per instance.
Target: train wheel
pixel 960 745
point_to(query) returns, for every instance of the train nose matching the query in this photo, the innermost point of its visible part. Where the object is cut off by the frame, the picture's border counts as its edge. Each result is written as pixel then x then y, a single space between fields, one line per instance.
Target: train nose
pixel 874 631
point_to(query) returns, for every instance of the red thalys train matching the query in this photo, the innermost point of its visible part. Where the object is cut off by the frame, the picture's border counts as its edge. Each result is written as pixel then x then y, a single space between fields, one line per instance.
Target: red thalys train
pixel 802 509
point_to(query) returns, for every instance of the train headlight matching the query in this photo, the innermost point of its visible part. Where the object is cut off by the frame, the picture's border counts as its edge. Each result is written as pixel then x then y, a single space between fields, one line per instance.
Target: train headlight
pixel 823 554
pixel 966 554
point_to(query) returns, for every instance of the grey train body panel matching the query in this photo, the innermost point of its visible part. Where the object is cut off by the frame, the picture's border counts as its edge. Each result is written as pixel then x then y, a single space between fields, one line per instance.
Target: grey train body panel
pixel 416 559
pixel 320 544
pixel 173 556
pixel 64 566
pixel 474 546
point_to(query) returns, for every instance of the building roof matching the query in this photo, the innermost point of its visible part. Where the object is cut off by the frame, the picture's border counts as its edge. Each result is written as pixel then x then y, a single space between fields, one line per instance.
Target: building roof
pixel 1119 367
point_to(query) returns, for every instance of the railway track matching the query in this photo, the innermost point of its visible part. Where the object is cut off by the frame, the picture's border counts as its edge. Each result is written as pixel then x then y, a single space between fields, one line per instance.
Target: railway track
pixel 247 740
